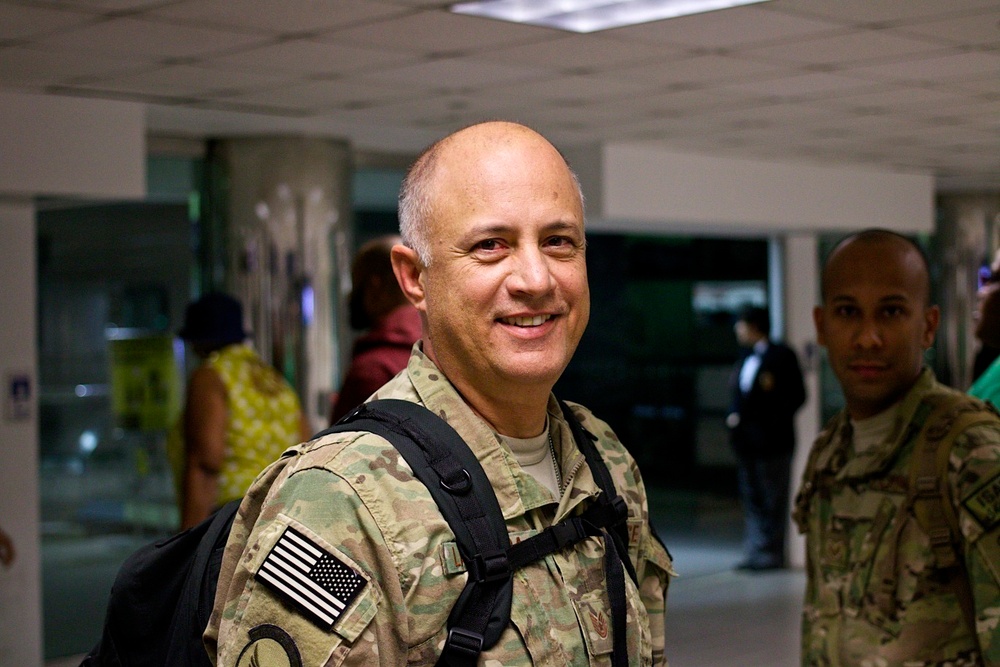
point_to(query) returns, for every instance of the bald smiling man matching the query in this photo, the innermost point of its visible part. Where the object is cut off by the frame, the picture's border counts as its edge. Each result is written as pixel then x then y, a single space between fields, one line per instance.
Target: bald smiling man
pixel 493 258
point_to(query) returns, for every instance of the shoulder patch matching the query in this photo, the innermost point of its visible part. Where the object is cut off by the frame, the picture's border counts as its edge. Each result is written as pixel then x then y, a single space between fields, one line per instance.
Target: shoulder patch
pixel 269 646
pixel 310 577
pixel 984 503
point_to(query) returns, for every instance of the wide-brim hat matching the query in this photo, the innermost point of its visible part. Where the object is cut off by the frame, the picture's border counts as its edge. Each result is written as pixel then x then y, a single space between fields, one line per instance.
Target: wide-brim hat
pixel 214 319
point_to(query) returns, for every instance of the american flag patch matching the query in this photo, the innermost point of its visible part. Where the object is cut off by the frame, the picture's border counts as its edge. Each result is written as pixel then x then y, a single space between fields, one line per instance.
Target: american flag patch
pixel 309 576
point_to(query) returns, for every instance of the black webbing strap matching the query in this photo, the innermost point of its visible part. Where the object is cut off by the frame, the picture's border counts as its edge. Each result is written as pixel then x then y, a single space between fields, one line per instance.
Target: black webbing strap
pixel 610 510
pixel 454 477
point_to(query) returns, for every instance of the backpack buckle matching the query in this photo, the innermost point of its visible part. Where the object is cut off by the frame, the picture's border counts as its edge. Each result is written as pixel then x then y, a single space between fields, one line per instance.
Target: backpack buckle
pixel 464 642
pixel 489 567
pixel 620 509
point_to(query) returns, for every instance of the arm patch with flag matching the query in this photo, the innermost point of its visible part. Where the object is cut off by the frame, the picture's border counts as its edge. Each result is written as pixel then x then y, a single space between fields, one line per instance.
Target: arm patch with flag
pixel 309 576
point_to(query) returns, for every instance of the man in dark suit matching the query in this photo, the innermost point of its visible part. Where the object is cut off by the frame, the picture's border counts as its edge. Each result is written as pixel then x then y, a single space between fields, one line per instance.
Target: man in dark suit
pixel 767 390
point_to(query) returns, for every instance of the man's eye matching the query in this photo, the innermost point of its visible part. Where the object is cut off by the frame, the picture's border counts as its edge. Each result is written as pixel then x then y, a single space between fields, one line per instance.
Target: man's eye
pixel 488 244
pixel 560 243
pixel 892 311
pixel 845 311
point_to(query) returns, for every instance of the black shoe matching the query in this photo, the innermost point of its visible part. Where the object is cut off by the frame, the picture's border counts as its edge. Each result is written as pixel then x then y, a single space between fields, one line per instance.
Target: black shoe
pixel 759 565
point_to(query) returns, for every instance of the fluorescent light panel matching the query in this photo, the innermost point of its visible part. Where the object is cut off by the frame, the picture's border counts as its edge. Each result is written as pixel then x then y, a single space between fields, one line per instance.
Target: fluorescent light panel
pixel 591 15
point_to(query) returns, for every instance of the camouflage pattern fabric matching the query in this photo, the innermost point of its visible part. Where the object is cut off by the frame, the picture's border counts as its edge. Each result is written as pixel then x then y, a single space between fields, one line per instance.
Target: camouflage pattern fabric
pixel 353 497
pixel 849 507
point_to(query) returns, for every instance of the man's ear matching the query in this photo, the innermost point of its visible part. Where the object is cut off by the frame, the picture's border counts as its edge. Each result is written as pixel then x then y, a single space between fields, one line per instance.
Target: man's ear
pixel 932 318
pixel 409 272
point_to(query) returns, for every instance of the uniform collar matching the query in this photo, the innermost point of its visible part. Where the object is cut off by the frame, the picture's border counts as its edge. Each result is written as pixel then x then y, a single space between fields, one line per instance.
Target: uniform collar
pixel 839 458
pixel 516 492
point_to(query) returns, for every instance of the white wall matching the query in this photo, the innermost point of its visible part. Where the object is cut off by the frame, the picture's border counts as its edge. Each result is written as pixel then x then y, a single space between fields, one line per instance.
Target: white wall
pixel 801 255
pixel 49 146
pixel 20 584
pixel 645 188
pixel 71 146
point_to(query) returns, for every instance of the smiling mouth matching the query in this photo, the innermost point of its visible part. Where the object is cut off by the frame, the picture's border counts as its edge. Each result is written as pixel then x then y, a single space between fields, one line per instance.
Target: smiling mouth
pixel 526 321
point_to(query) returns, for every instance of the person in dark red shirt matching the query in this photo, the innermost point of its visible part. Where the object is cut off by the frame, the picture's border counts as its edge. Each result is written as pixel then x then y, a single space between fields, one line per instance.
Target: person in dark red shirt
pixel 376 304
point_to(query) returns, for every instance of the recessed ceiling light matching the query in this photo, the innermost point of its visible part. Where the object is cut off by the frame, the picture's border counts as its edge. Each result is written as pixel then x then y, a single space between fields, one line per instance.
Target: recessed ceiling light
pixel 590 15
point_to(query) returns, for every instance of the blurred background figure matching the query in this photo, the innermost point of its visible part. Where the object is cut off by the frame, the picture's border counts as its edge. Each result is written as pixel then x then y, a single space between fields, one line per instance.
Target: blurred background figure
pixel 7 552
pixel 377 304
pixel 767 389
pixel 986 375
pixel 989 347
pixel 239 415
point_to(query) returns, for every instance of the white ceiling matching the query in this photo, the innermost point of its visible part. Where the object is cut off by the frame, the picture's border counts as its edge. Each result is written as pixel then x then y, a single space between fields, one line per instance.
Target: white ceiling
pixel 910 85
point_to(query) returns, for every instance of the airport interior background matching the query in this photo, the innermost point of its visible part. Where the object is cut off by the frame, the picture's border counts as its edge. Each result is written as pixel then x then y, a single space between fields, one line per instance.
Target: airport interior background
pixel 655 363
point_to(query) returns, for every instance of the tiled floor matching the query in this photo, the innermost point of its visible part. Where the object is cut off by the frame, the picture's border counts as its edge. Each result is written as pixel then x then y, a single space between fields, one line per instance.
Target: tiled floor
pixel 716 617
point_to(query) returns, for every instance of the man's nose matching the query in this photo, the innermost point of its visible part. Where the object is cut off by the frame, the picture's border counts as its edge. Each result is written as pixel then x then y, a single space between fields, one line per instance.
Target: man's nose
pixel 530 273
pixel 869 334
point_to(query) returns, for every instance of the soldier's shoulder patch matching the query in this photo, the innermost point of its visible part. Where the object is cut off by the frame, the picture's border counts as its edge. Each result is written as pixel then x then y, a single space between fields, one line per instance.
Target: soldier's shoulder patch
pixel 984 503
pixel 269 646
pixel 310 577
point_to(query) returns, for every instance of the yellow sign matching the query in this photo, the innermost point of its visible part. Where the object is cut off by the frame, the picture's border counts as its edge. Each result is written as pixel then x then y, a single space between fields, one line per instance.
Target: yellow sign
pixel 145 387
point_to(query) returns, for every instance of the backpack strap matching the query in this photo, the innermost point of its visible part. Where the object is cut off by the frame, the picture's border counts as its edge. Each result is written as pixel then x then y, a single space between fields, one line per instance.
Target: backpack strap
pixel 463 493
pixel 455 479
pixel 929 497
pixel 198 594
pixel 610 510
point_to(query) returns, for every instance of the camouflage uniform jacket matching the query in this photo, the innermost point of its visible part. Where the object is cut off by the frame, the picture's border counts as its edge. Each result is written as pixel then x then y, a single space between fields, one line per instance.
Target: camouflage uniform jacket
pixel 873 602
pixel 354 498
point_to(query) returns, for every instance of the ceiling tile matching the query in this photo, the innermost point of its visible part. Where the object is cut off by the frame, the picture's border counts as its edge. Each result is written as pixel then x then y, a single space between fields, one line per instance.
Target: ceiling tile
pixel 858 12
pixel 19 22
pixel 981 28
pixel 189 81
pixel 725 29
pixel 432 32
pixel 566 90
pixel 318 95
pixel 900 83
pixel 103 6
pixel 37 68
pixel 457 74
pixel 578 53
pixel 701 71
pixel 852 47
pixel 303 58
pixel 934 69
pixel 129 37
pixel 801 85
pixel 293 15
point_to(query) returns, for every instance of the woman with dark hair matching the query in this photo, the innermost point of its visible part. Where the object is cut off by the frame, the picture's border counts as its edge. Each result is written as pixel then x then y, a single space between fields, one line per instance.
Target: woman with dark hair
pixel 240 414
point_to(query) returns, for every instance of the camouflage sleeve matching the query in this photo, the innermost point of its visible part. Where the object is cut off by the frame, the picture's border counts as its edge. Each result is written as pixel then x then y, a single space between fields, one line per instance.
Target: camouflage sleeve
pixel 657 568
pixel 974 469
pixel 654 570
pixel 345 609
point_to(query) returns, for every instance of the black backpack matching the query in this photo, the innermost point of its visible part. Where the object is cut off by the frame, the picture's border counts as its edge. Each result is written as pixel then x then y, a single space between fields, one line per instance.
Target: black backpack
pixel 162 598
pixel 164 593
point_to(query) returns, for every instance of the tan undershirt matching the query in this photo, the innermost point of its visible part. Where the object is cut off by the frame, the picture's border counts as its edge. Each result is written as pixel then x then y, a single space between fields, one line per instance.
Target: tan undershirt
pixel 535 458
pixel 871 432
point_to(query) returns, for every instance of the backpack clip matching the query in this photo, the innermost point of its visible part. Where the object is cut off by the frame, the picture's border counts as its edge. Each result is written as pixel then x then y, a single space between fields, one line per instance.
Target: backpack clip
pixel 460 486
pixel 464 642
pixel 607 513
pixel 489 567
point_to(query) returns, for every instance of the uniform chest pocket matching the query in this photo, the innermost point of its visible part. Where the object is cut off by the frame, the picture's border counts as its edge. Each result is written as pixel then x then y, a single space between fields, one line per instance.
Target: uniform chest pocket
pixel 858 545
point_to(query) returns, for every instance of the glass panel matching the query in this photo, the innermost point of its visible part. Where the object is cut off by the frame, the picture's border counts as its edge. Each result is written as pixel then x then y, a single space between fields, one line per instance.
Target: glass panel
pixel 113 283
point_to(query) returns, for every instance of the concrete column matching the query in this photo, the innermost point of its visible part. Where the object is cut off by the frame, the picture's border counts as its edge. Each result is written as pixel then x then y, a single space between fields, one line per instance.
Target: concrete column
pixel 289 252
pixel 968 229
pixel 801 292
pixel 20 583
